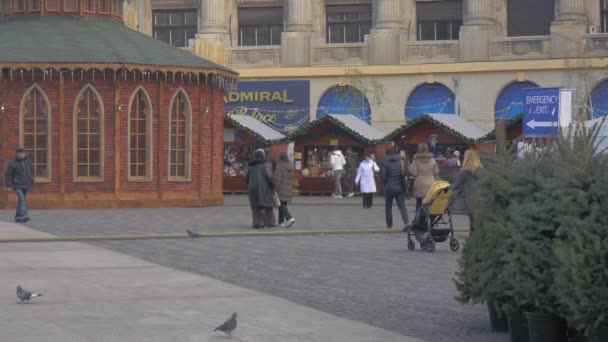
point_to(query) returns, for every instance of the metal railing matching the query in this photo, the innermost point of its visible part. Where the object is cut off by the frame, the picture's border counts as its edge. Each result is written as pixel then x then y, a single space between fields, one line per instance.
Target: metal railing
pixel 254 56
pixel 429 51
pixel 509 48
pixel 338 54
pixel 596 44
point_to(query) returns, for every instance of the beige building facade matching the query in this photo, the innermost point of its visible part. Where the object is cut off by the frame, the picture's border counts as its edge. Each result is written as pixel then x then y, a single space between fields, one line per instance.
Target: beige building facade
pixel 407 50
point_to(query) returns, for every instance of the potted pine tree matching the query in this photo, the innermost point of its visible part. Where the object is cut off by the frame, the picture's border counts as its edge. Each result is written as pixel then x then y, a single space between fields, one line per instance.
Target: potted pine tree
pixel 581 247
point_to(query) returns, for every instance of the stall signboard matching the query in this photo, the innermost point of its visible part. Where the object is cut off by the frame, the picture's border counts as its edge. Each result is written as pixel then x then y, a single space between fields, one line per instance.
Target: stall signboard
pixel 541 112
pixel 282 105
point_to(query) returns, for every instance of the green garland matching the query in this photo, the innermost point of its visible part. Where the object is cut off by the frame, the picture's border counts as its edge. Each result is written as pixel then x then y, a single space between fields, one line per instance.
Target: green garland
pixel 428 118
pixel 253 133
pixel 312 124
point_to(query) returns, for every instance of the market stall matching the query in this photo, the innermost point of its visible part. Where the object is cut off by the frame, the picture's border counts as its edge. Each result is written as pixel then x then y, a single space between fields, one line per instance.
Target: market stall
pixel 445 135
pixel 314 142
pixel 242 136
pixel 514 129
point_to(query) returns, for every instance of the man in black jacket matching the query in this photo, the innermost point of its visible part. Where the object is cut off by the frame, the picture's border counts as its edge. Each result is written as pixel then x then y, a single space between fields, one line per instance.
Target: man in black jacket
pixel 20 177
pixel 393 177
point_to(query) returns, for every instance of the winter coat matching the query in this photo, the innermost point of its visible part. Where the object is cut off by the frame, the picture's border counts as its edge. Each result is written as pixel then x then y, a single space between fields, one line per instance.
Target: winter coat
pixel 337 160
pixel 465 187
pixel 260 186
pixel 283 180
pixel 424 169
pixel 393 175
pixel 19 174
pixel 365 176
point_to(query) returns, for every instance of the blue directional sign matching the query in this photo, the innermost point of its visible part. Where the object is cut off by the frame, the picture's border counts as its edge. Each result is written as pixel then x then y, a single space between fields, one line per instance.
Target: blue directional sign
pixel 541 112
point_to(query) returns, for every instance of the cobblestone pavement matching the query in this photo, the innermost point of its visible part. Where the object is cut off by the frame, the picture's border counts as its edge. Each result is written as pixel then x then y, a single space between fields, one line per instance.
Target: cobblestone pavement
pixel 369 278
pixel 235 215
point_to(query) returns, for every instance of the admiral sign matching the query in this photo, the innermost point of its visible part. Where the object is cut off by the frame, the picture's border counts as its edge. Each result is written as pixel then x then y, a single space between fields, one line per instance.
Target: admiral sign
pixel 282 105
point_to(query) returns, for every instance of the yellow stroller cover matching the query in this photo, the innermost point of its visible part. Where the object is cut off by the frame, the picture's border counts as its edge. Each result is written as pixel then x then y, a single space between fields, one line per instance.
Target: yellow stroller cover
pixel 436 199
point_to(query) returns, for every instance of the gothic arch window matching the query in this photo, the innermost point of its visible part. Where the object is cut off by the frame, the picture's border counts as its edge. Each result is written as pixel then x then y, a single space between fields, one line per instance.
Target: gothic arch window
pixel 88 136
pixel 140 136
pixel 180 137
pixel 104 6
pixel 35 134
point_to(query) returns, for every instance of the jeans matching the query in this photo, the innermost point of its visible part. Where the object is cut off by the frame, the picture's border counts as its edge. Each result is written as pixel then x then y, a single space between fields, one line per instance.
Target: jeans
pixel 399 197
pixel 337 182
pixel 284 214
pixel 349 181
pixel 21 205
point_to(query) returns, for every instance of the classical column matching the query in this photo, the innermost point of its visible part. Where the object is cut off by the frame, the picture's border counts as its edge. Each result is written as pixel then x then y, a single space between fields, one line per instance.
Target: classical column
pixel 479 25
pixel 296 40
pixel 479 13
pixel 213 17
pixel 571 10
pixel 385 35
pixel 210 42
pixel 568 29
pixel 299 15
pixel 388 14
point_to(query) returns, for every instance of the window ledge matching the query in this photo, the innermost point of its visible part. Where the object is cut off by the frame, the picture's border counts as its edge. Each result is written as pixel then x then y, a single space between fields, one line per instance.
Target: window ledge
pixel 88 180
pixel 179 180
pixel 41 180
pixel 139 180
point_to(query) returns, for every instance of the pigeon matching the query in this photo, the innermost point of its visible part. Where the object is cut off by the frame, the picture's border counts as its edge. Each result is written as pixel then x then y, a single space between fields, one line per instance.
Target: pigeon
pixel 228 326
pixel 25 296
pixel 193 234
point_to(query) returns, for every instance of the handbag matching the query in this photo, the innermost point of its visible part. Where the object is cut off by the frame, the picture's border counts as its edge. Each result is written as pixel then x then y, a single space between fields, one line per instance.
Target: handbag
pixel 275 197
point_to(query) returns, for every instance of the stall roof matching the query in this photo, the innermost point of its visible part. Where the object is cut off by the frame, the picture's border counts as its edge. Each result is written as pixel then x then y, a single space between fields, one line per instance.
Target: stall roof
pixel 453 124
pixel 490 136
pixel 255 128
pixel 356 127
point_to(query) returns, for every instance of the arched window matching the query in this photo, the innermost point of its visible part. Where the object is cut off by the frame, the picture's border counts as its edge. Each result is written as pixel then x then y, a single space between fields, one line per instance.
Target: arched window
pixel 104 6
pixel 431 98
pixel 345 100
pixel 88 136
pixel 140 134
pixel 71 5
pixel 35 131
pixel 598 101
pixel 180 137
pixel 89 5
pixel 34 6
pixel 510 101
pixel 18 5
pixel 117 7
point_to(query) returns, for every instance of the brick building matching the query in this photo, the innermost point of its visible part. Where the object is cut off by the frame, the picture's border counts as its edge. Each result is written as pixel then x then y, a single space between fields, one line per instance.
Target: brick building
pixel 109 116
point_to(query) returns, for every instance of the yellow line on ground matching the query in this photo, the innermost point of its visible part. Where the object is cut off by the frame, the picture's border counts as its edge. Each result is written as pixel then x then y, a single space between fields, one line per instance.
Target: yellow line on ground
pixel 203 235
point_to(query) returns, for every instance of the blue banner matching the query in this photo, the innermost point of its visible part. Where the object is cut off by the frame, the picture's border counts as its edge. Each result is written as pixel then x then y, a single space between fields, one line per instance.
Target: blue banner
pixel 541 112
pixel 282 105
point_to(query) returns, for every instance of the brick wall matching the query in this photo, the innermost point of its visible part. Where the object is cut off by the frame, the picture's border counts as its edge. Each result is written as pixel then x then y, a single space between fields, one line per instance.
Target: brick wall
pixel 204 185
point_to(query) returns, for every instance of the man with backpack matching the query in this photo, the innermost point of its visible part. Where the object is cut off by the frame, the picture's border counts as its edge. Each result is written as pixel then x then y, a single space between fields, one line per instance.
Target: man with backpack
pixel 393 177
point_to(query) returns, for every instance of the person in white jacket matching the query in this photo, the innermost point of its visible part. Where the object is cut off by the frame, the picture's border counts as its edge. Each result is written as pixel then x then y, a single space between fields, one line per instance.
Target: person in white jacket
pixel 337 163
pixel 365 178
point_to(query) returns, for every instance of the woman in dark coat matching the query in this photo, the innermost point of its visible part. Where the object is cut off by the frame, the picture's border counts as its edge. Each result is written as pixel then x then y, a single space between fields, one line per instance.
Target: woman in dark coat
pixel 261 188
pixel 465 184
pixel 283 183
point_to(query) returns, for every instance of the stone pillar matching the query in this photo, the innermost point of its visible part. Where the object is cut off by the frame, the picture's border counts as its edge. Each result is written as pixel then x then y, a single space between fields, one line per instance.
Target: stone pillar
pixel 568 28
pixel 296 40
pixel 479 26
pixel 385 35
pixel 210 42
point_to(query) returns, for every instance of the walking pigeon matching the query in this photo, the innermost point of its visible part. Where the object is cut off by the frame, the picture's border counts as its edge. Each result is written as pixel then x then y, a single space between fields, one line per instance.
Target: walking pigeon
pixel 228 326
pixel 193 234
pixel 25 296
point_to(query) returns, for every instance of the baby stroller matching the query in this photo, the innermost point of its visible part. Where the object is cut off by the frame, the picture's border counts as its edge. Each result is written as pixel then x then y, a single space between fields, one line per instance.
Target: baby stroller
pixel 433 221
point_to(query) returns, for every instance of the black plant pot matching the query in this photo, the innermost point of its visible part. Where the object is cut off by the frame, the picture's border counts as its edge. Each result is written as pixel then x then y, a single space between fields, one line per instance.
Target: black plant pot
pixel 546 327
pixel 518 326
pixel 498 320
pixel 599 335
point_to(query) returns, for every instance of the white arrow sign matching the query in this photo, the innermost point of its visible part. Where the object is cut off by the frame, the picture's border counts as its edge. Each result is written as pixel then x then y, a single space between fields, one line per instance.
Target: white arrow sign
pixel 533 124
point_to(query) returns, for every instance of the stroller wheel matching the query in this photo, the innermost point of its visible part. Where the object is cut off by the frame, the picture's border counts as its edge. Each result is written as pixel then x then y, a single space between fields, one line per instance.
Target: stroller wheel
pixel 454 245
pixel 411 245
pixel 430 246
